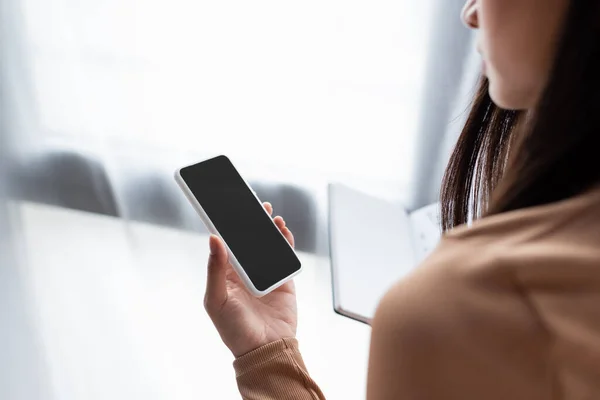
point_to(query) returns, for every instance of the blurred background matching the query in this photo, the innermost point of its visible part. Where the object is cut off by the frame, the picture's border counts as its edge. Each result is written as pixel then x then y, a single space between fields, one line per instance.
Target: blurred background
pixel 101 258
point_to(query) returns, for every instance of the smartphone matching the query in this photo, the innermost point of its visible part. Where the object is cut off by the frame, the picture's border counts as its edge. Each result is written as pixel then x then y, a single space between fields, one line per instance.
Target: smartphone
pixel 230 209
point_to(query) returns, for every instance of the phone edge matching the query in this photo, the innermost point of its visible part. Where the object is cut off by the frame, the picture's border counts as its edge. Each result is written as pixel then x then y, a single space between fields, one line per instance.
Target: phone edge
pixel 213 230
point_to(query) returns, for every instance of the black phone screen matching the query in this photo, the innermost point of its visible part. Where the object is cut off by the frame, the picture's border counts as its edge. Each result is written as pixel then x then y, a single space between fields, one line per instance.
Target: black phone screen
pixel 250 233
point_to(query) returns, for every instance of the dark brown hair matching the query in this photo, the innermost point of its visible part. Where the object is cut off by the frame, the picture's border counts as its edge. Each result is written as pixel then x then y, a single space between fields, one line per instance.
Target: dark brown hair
pixel 507 160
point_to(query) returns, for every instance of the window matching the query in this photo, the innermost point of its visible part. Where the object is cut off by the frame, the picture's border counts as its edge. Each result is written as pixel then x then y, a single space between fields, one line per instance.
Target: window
pixel 335 82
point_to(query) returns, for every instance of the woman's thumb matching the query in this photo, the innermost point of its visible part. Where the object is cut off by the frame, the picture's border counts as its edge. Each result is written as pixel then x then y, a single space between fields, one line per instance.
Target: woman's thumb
pixel 216 287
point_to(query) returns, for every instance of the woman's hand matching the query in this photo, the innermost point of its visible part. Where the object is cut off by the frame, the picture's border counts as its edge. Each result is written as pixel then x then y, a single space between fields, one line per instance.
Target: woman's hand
pixel 245 322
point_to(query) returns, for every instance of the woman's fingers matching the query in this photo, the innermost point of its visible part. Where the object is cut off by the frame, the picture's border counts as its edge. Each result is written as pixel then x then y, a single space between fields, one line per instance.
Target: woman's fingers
pixel 280 222
pixel 289 236
pixel 268 207
pixel 216 283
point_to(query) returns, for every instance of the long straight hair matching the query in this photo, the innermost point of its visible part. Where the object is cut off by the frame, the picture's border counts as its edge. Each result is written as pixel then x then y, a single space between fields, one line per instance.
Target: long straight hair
pixel 507 160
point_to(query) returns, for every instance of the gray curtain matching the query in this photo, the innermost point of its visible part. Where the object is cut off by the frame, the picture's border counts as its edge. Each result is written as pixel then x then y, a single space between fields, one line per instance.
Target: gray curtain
pixel 451 75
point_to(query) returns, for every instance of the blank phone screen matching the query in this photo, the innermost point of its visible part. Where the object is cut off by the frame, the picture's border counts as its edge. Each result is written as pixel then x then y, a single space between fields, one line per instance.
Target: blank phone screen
pixel 250 233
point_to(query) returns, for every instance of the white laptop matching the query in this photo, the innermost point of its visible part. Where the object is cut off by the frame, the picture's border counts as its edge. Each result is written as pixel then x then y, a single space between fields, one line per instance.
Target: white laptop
pixel 373 244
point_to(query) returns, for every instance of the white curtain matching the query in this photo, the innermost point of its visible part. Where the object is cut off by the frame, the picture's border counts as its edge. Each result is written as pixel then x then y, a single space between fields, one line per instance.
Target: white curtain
pixel 103 99
pixel 338 83
pixel 117 94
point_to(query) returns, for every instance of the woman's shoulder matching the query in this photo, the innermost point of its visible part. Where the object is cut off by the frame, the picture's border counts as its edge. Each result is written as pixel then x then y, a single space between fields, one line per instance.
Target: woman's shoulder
pixel 571 217
pixel 480 295
pixel 555 239
pixel 461 318
pixel 484 271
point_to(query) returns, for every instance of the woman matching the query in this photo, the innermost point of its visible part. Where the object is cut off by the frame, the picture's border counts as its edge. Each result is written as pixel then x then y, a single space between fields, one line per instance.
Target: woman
pixel 509 306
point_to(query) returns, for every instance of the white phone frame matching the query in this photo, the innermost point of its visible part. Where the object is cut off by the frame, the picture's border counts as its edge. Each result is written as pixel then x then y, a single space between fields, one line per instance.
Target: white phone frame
pixel 212 229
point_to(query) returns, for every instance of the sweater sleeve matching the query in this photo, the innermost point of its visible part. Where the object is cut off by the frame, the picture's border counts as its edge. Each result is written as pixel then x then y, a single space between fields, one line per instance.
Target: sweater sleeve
pixel 275 371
